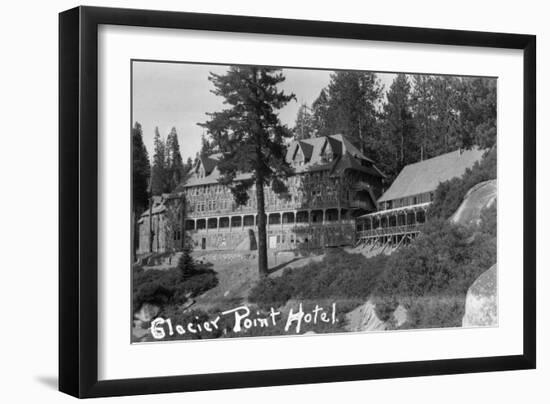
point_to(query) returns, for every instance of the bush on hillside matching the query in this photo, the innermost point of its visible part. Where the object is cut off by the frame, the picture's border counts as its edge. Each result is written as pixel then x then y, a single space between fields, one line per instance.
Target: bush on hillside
pixel 164 287
pixel 186 264
pixel 431 276
pixel 339 275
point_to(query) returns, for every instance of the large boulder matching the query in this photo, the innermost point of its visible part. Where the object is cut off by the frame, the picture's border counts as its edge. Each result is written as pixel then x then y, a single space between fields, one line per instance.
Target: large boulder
pixel 364 318
pixel 481 301
pixel 480 196
pixel 147 312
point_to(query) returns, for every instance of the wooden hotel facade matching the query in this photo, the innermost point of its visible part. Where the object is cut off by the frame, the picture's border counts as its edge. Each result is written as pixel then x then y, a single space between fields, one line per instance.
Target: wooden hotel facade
pixel 333 183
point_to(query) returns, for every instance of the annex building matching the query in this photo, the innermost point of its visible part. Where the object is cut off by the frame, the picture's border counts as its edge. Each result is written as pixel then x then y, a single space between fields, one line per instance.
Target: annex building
pixel 333 184
pixel 402 208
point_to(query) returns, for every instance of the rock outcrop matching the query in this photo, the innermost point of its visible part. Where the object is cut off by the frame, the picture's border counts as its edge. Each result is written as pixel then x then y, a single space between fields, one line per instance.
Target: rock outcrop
pixel 481 301
pixel 364 318
pixel 147 312
pixel 478 197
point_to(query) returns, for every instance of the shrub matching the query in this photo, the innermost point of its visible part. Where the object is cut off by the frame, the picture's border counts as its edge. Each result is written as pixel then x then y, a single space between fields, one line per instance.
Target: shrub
pixel 164 287
pixel 339 275
pixel 271 292
pixel 431 276
pixel 186 264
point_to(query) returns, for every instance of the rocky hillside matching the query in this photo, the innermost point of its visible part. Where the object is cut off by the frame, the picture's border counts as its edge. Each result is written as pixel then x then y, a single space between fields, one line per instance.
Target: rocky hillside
pixel 480 301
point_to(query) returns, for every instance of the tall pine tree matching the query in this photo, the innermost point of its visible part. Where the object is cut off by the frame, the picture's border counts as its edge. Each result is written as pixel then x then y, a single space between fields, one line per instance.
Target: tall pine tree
pixel 174 162
pixel 445 97
pixel 422 99
pixel 478 111
pixel 321 118
pixel 398 129
pixel 304 125
pixel 251 138
pixel 207 146
pixel 158 170
pixel 141 170
pixel 349 106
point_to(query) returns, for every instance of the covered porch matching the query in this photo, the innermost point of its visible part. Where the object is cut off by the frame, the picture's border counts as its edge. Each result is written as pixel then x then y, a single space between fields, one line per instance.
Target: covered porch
pixel 392 226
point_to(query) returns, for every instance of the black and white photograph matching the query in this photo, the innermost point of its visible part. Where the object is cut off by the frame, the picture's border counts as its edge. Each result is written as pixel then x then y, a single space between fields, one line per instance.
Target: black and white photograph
pixel 273 201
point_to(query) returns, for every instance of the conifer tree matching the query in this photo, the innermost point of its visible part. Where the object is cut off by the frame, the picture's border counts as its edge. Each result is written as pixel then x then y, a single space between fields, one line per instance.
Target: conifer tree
pixel 349 106
pixel 321 117
pixel 304 125
pixel 422 99
pixel 207 146
pixel 187 167
pixel 478 111
pixel 251 138
pixel 158 171
pixel 186 263
pixel 174 162
pixel 398 128
pixel 446 116
pixel 141 170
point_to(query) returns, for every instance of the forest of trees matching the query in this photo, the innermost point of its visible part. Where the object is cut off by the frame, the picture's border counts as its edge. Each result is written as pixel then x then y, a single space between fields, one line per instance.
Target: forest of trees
pixel 160 175
pixel 418 117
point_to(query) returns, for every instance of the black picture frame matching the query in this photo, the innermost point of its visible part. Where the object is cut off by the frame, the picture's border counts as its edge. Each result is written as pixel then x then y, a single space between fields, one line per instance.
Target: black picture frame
pixel 78 200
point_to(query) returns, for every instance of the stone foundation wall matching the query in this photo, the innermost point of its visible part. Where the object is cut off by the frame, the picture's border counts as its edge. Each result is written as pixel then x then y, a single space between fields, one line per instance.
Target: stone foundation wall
pixel 305 237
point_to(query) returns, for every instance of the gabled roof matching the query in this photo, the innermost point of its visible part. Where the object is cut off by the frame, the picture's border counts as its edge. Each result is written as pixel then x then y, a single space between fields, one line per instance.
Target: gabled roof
pixel 209 162
pixel 425 176
pixel 307 149
pixel 346 156
pixel 156 209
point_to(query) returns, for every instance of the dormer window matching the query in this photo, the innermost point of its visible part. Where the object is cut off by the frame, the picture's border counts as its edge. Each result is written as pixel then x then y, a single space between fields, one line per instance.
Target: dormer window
pixel 326 153
pixel 298 156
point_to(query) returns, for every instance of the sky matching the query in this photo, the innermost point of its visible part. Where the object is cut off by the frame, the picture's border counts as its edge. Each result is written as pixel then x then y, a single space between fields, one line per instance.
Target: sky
pixel 169 94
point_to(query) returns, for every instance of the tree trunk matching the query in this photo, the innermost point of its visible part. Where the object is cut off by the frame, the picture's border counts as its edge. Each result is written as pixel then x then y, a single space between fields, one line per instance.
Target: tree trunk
pixel 260 199
pixel 262 232
pixel 151 232
pixel 182 224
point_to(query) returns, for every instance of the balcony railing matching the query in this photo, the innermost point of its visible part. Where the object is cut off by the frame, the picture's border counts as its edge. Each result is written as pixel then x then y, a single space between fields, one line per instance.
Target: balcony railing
pixel 276 226
pixel 390 231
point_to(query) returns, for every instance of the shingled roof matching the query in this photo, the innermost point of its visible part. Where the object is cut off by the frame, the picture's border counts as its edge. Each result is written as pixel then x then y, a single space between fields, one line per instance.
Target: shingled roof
pixel 347 156
pixel 425 176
